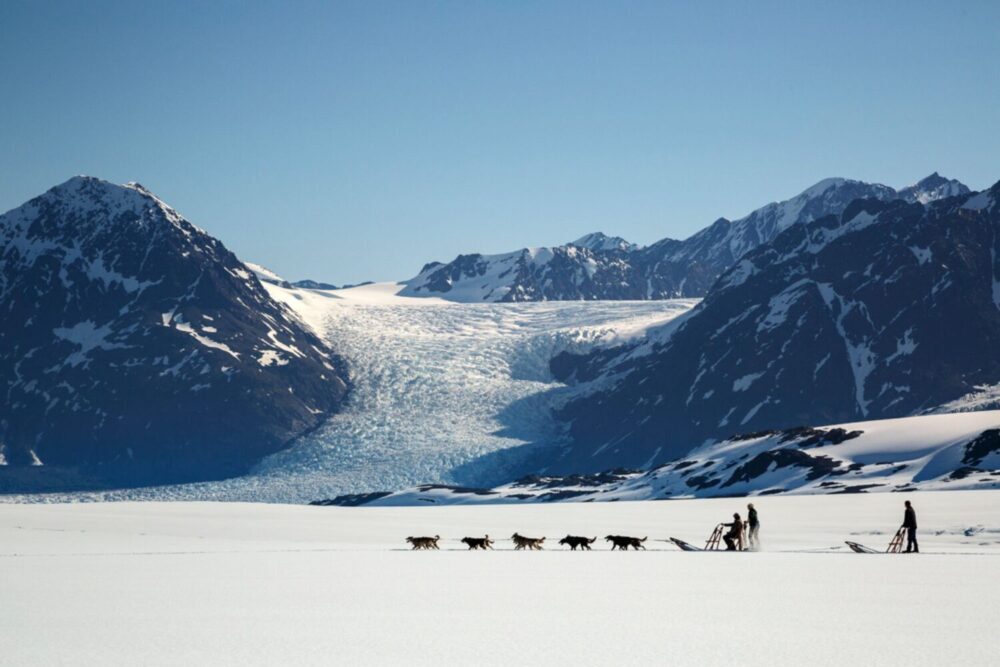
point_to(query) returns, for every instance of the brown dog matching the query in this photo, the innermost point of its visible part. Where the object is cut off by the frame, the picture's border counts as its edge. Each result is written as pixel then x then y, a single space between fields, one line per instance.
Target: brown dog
pixel 574 541
pixel 424 542
pixel 522 542
pixel 622 542
pixel 478 542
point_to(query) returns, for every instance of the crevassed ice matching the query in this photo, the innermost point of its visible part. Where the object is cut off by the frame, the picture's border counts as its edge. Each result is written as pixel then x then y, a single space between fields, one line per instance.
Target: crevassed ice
pixel 438 386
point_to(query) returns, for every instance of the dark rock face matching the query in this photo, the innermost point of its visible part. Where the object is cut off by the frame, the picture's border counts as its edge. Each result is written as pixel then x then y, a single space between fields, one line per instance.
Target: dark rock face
pixel 601 267
pixel 818 466
pixel 137 348
pixel 313 284
pixel 596 479
pixel 987 443
pixel 811 437
pixel 890 309
pixel 351 499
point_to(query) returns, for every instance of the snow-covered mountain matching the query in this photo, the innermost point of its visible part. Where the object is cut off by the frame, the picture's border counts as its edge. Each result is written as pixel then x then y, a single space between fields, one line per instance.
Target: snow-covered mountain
pixel 890 309
pixel 562 273
pixel 601 242
pixel 932 188
pixel 266 275
pixel 136 347
pixel 940 452
pixel 597 266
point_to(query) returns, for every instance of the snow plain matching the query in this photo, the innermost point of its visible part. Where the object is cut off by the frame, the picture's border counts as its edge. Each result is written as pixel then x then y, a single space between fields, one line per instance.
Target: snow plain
pixel 255 584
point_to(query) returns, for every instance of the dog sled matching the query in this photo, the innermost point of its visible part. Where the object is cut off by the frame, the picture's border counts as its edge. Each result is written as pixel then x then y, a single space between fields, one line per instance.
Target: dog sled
pixel 895 544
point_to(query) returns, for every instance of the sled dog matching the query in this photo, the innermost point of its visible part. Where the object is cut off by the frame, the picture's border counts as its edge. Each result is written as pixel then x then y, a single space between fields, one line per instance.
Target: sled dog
pixel 424 542
pixel 522 542
pixel 478 542
pixel 574 541
pixel 622 543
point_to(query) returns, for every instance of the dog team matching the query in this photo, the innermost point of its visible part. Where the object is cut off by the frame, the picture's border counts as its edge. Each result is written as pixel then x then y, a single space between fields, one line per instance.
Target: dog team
pixel 734 539
pixel 620 542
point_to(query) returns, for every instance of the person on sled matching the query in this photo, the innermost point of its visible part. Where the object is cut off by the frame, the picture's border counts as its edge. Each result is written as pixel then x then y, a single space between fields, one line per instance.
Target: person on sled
pixel 734 538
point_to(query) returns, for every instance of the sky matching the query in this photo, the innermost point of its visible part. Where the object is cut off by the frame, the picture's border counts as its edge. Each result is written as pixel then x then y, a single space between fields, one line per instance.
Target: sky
pixel 345 141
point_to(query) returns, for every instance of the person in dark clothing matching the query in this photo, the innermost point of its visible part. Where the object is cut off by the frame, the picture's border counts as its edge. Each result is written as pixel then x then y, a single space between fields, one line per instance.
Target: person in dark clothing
pixel 753 525
pixel 910 524
pixel 735 535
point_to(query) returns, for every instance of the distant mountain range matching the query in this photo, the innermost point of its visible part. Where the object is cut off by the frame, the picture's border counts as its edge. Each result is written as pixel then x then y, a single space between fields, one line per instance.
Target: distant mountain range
pixel 134 347
pixel 890 308
pixel 597 266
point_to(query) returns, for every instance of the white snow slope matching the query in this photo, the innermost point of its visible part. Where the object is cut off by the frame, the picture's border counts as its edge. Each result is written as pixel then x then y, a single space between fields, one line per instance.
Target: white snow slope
pixel 246 584
pixel 903 454
pixel 436 385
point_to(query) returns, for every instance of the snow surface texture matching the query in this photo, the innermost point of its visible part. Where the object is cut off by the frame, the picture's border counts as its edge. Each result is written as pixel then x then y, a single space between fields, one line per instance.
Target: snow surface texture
pixel 244 584
pixel 437 385
pixel 925 453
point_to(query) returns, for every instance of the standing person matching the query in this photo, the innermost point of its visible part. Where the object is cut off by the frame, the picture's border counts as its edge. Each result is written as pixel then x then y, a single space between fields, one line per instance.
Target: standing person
pixel 910 524
pixel 735 534
pixel 754 524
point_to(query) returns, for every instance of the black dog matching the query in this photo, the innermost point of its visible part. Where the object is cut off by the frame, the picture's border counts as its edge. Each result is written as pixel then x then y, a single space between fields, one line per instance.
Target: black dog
pixel 574 541
pixel 478 542
pixel 622 543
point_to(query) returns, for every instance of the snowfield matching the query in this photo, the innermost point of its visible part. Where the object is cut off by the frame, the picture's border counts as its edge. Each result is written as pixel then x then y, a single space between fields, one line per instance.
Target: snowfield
pixel 253 584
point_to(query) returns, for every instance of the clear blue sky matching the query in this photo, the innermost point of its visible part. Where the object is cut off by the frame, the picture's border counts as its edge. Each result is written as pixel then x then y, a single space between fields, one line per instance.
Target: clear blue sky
pixel 347 141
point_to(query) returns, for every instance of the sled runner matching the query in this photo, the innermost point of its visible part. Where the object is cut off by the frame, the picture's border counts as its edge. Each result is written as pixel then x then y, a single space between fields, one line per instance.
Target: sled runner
pixel 685 546
pixel 895 544
pixel 860 548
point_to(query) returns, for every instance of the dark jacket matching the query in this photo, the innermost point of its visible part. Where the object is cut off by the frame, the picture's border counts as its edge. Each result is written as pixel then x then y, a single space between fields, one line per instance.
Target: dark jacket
pixel 752 518
pixel 735 528
pixel 910 519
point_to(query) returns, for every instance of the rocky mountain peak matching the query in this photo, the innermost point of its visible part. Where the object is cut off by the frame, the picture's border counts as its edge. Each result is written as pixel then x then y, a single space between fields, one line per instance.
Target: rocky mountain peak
pixel 599 241
pixel 133 344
